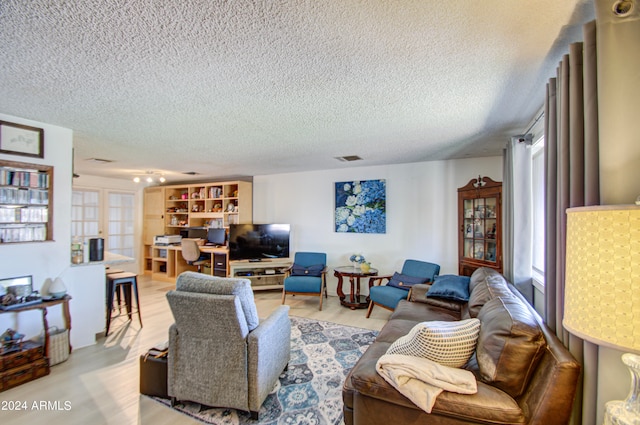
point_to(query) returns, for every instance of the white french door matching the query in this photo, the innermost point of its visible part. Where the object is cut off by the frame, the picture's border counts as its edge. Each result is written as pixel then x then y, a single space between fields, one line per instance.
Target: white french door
pixel 107 214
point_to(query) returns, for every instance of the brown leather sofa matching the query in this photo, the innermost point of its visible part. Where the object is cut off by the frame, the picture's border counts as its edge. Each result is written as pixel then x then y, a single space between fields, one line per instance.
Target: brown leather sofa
pixel 524 373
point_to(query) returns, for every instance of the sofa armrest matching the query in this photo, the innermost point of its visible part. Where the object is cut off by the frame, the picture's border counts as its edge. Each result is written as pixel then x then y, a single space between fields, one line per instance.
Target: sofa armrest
pixel 269 349
pixel 418 292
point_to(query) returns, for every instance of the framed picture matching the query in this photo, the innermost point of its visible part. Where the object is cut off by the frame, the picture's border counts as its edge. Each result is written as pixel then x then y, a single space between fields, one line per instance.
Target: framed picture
pixel 18 139
pixel 360 206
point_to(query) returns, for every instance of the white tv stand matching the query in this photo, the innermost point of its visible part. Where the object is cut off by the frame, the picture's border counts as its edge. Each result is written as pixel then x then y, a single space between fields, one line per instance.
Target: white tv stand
pixel 264 274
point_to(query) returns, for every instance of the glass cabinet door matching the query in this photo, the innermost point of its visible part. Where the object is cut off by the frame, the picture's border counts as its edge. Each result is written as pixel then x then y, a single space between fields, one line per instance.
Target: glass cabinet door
pixel 479 228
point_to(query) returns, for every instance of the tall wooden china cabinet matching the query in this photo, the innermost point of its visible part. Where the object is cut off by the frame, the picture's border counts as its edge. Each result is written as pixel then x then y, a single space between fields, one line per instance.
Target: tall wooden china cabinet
pixel 480 220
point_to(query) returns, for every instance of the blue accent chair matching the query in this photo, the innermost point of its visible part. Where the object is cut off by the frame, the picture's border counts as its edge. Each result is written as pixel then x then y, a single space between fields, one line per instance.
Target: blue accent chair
pixel 307 275
pixel 388 296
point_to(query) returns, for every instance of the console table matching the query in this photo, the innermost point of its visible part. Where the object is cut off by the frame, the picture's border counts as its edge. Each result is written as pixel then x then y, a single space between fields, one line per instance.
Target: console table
pixel 354 300
pixel 43 307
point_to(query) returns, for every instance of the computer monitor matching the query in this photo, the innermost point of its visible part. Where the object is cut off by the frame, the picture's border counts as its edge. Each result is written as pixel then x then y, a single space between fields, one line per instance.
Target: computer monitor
pixel 216 237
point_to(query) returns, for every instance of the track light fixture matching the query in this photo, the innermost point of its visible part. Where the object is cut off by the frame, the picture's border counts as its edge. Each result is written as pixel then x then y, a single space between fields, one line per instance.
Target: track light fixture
pixel 150 177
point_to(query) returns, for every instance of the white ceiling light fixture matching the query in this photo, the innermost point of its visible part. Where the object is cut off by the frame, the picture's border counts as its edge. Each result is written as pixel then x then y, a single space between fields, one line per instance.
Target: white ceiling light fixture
pixel 150 177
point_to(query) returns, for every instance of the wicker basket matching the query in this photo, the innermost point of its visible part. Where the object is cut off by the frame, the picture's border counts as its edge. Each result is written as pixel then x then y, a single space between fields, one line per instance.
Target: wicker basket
pixel 58 345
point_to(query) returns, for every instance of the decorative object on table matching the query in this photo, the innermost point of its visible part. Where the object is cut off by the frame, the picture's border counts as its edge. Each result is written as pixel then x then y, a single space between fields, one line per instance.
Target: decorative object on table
pixel 360 206
pixel 356 260
pixel 601 295
pixel 18 292
pixel 365 266
pixel 305 393
pixel 57 289
pixel 11 341
pixel 18 139
pixel 77 253
pixel 19 287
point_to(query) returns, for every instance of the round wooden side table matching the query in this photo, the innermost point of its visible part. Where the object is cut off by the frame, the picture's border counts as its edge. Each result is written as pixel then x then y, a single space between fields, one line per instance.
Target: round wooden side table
pixel 353 300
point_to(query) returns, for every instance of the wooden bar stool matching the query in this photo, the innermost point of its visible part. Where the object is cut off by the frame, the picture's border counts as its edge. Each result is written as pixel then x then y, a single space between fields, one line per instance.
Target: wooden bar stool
pixel 129 283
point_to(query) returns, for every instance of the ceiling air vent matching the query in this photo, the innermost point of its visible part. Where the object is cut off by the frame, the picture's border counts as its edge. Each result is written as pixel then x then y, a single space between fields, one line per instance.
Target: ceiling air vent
pixel 190 173
pixel 348 158
pixel 99 160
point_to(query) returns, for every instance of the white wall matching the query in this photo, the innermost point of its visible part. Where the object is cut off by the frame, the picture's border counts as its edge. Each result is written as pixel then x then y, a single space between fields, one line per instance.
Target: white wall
pixel 422 217
pixel 49 259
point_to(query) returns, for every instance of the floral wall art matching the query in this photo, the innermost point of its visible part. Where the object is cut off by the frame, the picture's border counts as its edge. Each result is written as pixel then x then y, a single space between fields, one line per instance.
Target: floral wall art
pixel 361 206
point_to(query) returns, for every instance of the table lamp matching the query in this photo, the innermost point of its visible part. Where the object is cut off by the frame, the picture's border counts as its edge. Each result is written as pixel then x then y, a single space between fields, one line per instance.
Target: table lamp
pixel 602 290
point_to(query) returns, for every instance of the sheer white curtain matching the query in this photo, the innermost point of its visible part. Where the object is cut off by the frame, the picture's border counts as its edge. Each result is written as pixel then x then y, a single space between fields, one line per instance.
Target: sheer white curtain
pixel 517 215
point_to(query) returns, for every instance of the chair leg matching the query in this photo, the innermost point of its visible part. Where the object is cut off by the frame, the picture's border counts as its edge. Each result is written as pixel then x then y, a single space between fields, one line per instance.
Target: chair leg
pixel 369 309
pixel 284 294
pixel 135 294
pixel 109 306
pixel 320 302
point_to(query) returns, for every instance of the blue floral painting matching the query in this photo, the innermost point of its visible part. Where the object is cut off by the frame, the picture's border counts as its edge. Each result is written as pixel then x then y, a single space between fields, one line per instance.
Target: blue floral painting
pixel 361 206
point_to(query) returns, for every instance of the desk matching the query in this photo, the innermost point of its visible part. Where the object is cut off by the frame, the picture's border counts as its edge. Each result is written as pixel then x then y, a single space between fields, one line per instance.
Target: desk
pixel 355 300
pixel 167 262
pixel 43 306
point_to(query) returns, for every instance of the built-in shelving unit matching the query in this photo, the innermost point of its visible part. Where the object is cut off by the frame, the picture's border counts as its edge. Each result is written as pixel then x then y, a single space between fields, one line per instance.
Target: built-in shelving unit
pixel 207 205
pixel 26 197
pixel 170 209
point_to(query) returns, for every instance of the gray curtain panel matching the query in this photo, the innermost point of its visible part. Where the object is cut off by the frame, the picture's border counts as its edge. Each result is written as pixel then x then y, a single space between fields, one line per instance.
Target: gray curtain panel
pixel 572 180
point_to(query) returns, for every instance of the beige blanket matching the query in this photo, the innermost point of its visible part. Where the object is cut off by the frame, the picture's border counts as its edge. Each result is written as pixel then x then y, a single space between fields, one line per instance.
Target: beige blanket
pixel 422 380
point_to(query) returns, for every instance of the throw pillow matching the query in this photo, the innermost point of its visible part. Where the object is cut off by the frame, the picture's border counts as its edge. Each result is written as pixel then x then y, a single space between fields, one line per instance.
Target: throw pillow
pixel 404 281
pixel 447 343
pixel 450 287
pixel 314 270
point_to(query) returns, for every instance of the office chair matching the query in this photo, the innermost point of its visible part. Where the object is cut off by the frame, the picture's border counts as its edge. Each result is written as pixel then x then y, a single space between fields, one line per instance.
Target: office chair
pixel 192 255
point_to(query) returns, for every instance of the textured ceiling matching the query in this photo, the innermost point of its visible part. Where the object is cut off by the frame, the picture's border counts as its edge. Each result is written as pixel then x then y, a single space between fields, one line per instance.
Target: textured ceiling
pixel 232 88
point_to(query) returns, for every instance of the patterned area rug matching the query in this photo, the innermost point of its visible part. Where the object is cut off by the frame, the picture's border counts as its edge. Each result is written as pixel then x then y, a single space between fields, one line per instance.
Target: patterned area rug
pixel 310 391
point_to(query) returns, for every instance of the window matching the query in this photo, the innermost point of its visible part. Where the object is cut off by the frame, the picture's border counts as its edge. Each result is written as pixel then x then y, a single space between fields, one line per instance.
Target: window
pixel 120 234
pixel 90 214
pixel 538 202
pixel 85 214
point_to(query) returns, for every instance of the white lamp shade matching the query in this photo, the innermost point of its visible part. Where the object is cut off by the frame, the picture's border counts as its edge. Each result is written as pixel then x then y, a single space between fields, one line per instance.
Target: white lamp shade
pixel 602 280
pixel 57 288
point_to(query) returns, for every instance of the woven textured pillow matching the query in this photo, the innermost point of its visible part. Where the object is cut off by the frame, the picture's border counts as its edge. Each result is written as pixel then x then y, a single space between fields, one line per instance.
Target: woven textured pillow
pixel 448 343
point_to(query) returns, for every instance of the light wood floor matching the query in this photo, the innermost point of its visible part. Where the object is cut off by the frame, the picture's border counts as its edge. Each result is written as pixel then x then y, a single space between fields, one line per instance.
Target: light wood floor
pixel 99 384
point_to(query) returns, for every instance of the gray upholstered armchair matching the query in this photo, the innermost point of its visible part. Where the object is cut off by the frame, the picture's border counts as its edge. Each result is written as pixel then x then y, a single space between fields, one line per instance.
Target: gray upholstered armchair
pixel 220 354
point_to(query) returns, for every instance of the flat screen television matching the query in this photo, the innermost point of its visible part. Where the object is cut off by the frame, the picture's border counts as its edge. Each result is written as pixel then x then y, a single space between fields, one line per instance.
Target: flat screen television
pixel 256 242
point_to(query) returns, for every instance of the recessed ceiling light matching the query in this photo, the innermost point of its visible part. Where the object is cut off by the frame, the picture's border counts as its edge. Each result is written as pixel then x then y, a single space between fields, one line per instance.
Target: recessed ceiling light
pixel 622 8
